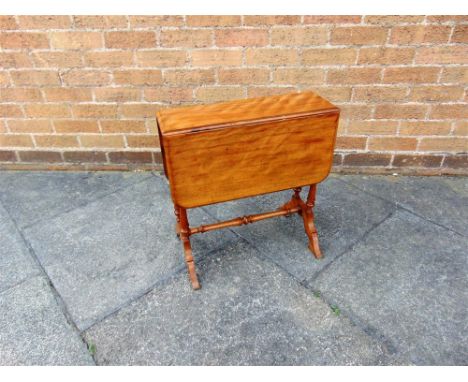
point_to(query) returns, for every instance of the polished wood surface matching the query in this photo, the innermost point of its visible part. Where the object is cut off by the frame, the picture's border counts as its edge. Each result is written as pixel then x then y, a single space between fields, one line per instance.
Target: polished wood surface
pixel 216 153
pixel 239 112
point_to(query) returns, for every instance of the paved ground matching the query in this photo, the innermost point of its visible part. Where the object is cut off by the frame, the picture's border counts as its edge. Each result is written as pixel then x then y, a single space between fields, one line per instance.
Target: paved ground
pixel 91 272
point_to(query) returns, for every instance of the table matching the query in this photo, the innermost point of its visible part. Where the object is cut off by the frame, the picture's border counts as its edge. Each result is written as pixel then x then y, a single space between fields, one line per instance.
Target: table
pixel 242 148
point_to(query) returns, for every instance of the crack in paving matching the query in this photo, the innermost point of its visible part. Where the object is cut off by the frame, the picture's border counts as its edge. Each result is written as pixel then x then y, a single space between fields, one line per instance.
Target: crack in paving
pixel 84 204
pixel 42 272
pixel 400 206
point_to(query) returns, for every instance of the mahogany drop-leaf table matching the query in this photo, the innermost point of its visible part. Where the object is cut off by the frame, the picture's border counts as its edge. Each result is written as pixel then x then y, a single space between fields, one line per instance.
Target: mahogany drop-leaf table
pixel 225 151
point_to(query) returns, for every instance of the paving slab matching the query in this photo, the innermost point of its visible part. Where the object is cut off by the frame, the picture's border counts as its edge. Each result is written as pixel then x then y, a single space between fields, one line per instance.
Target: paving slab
pixel 35 196
pixel 443 200
pixel 101 256
pixel 248 312
pixel 408 282
pixel 34 331
pixel 342 214
pixel 16 263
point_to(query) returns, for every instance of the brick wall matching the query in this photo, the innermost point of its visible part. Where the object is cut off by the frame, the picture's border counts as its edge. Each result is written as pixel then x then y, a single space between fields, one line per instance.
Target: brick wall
pixel 82 91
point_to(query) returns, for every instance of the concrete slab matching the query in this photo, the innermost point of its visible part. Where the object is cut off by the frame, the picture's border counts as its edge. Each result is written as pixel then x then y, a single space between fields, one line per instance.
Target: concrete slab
pixel 407 282
pixel 35 196
pixel 16 264
pixel 248 312
pixel 101 256
pixel 343 215
pixel 443 200
pixel 34 331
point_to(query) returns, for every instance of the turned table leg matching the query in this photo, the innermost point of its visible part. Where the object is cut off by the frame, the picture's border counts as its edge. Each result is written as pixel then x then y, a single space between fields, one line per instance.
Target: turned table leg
pixel 184 232
pixel 308 217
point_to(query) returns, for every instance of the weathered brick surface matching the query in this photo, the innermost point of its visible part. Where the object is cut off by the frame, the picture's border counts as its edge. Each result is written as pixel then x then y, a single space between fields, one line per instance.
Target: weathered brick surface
pixel 82 91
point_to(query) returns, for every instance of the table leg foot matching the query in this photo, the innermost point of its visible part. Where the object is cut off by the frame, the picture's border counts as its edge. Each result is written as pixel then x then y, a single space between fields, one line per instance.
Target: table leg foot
pixel 309 225
pixel 184 232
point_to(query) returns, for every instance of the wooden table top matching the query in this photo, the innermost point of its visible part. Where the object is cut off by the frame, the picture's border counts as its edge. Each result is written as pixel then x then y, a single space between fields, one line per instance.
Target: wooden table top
pixel 238 112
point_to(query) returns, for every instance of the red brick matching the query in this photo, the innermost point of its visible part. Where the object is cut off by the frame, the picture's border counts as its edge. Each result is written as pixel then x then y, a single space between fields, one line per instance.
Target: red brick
pixel 100 22
pixel 402 160
pixel 15 60
pixel 111 58
pixel 189 77
pixel 85 77
pixel 449 111
pixel 47 110
pixel 218 94
pixel 111 141
pixel 15 140
pixel 444 145
pixel 130 39
pixel 156 21
pixel 29 126
pixel 243 76
pixel 76 40
pixel 358 127
pixel 386 56
pixel 56 141
pixel 271 56
pixel 350 143
pixel 35 77
pixel 213 21
pixel 94 111
pixel 241 37
pixel 392 111
pixel 455 75
pixel 456 54
pixel 162 58
pixel 8 22
pixel 23 40
pixel 329 56
pixel 212 57
pixel 460 34
pixel 123 126
pixel 168 94
pixel 117 94
pixel 456 161
pixel 293 76
pixel 139 110
pixel 130 157
pixel 299 36
pixel 353 76
pixel 10 110
pixel 186 38
pixel 271 20
pixel 68 94
pixel 57 59
pixel 380 93
pixel 40 156
pixel 44 22
pixel 20 95
pixel 140 141
pixel 264 91
pixel 145 77
pixel 411 75
pixel 76 126
pixel 7 156
pixel 392 144
pixel 436 93
pixel 332 19
pixel 367 159
pixel 84 156
pixel 359 35
pixel 392 20
pixel 420 34
pixel 421 128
